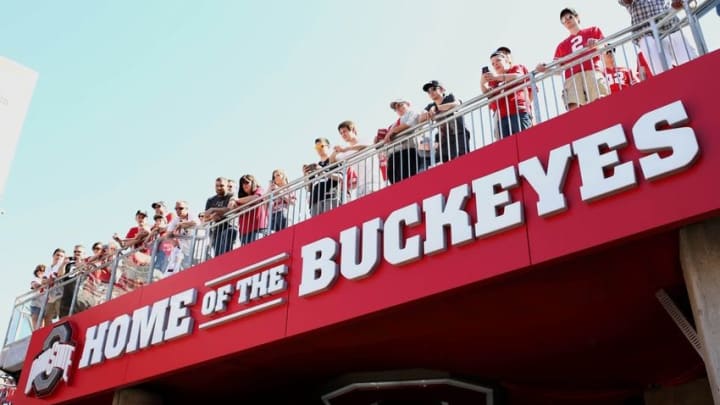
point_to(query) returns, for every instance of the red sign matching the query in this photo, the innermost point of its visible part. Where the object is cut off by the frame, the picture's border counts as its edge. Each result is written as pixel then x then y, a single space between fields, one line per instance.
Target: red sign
pixel 634 163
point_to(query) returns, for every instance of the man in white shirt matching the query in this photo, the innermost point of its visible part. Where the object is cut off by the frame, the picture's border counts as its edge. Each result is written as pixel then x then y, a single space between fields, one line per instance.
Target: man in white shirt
pixel 367 170
pixel 182 226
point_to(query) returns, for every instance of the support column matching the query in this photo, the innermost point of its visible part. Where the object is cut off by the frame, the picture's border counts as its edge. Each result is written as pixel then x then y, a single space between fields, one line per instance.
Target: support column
pixel 700 260
pixel 136 396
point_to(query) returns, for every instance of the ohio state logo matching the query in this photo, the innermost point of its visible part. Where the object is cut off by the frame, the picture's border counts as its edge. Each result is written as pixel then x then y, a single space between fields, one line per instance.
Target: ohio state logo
pixel 53 363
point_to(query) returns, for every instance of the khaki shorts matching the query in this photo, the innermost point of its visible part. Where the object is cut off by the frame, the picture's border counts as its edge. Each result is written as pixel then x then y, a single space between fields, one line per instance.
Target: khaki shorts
pixel 584 87
pixel 52 309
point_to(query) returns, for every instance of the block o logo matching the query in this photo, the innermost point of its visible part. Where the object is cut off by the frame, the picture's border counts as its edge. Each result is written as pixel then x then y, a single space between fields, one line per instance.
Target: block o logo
pixel 53 363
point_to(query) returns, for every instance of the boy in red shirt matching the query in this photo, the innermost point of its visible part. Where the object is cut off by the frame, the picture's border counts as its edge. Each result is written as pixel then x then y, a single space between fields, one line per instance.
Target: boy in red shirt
pixel 584 82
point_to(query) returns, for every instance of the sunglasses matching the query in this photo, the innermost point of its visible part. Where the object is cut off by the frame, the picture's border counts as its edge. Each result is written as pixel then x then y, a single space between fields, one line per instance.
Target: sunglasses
pixel 180 208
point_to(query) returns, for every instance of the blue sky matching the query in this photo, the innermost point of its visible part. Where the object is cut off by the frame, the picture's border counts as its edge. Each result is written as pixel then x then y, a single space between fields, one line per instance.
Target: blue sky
pixel 140 101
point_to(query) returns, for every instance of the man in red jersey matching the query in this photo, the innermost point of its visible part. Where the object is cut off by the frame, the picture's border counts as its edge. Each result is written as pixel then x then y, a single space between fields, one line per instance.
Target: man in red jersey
pixel 617 77
pixel 514 107
pixel 584 82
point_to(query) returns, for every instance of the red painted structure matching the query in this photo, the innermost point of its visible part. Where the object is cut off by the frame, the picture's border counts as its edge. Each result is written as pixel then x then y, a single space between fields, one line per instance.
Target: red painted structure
pixel 559 310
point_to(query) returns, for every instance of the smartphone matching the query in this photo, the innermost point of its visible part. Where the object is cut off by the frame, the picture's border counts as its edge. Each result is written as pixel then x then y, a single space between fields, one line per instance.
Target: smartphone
pixel 485 69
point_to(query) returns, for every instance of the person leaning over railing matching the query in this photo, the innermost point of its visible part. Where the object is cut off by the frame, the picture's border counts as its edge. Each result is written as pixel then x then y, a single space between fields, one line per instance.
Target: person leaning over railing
pixel 402 161
pixel 252 225
pixel 158 241
pixel 675 46
pixel 280 203
pixel 324 191
pixel 584 82
pixel 363 176
pixel 69 283
pixel 453 139
pixel 38 284
pixel 513 108
pixel 182 227
pixel 223 235
pixel 55 271
pixel 135 235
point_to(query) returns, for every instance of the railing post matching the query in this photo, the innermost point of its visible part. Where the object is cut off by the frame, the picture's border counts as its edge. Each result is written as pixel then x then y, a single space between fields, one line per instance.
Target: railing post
pixel 113 274
pixel 79 279
pixel 153 255
pixel 432 144
pixel 193 241
pixel 270 211
pixel 695 29
pixel 658 44
pixel 536 102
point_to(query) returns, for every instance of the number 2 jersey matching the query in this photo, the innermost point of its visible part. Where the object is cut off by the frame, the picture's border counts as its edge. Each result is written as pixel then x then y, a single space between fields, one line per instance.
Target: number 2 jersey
pixel 576 42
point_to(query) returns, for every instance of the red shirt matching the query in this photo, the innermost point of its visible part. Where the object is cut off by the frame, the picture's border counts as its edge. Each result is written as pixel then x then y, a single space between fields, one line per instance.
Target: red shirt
pixel 517 101
pixel 579 41
pixel 255 219
pixel 618 78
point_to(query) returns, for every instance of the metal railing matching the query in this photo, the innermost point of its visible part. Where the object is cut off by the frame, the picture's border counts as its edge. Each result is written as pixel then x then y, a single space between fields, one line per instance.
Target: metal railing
pixel 467 127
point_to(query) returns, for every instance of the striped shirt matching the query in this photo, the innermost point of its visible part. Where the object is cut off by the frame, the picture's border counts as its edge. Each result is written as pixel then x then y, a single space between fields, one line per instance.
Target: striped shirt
pixel 642 10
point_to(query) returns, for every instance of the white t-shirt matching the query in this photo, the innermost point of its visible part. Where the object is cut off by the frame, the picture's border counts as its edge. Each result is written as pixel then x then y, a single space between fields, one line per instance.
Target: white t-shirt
pixel 367 170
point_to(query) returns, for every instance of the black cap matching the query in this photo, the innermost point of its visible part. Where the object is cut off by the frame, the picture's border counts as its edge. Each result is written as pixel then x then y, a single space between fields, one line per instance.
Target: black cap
pixel 158 204
pixel 141 212
pixel 503 49
pixel 432 83
pixel 568 10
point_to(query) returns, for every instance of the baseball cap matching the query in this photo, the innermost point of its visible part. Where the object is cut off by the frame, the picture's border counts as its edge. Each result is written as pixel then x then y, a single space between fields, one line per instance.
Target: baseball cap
pixel 503 49
pixel 396 102
pixel 568 10
pixel 158 204
pixel 432 83
pixel 141 212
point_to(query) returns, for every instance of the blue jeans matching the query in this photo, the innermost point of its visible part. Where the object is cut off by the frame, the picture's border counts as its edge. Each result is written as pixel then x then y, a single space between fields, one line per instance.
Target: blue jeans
pixel 160 260
pixel 223 239
pixel 278 220
pixel 513 124
pixel 252 236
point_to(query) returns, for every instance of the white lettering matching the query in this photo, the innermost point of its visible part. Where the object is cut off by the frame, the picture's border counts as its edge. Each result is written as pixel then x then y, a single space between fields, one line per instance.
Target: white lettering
pixel 179 321
pixel 593 164
pixel 354 264
pixel 146 324
pixel 548 185
pixel 439 215
pixel 491 195
pixel 650 139
pixel 224 294
pixel 208 303
pixel 277 281
pixel 258 286
pixel 319 269
pixel 117 336
pixel 393 249
pixel 94 345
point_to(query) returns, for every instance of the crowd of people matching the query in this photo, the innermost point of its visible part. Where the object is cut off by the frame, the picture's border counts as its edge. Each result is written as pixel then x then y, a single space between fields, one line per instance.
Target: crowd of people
pixel 178 239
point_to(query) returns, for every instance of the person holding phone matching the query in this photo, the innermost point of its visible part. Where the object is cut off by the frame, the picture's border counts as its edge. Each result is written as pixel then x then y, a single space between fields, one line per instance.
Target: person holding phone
pixel 511 105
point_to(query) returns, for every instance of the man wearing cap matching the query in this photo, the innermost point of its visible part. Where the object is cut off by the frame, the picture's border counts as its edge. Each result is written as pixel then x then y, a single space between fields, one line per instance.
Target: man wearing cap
pixel 223 235
pixel 161 209
pixel 675 45
pixel 453 138
pixel 584 82
pixel 135 235
pixel 403 160
pixel 514 107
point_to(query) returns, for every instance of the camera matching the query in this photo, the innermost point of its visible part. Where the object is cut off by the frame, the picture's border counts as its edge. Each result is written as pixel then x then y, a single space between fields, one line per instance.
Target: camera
pixel 485 69
pixel 311 167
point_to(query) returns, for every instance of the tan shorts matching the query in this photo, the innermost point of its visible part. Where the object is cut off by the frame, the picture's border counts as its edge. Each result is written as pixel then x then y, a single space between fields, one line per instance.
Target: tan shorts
pixel 584 87
pixel 52 309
